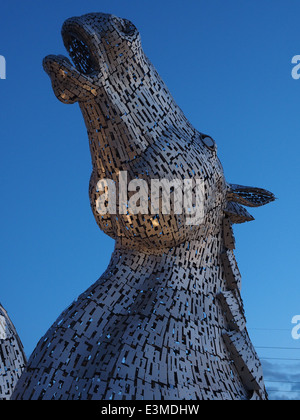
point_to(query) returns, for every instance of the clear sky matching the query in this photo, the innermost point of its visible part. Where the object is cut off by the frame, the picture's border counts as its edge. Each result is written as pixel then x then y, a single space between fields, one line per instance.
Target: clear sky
pixel 228 65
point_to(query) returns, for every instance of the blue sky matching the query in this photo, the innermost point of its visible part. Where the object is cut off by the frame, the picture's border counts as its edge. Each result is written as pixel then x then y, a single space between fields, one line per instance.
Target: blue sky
pixel 228 65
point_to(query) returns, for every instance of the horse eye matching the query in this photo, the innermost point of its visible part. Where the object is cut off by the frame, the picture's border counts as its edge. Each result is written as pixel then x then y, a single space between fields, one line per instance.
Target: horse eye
pixel 209 142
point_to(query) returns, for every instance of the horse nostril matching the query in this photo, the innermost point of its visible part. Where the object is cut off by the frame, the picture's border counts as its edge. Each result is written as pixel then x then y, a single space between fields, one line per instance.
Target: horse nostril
pixel 125 26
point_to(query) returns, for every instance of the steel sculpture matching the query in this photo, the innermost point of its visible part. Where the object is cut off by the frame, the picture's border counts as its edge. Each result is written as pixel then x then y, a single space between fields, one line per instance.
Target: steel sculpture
pixel 166 319
pixel 12 356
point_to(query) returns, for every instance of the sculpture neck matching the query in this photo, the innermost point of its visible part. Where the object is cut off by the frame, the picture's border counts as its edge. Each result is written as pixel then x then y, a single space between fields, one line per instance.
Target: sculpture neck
pixel 191 266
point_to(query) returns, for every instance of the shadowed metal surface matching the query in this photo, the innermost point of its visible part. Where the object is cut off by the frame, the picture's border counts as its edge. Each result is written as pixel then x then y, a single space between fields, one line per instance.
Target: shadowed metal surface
pixel 12 357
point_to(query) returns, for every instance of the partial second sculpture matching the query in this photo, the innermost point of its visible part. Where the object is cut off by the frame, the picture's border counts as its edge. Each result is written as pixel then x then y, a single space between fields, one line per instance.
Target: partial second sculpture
pixel 166 319
pixel 12 356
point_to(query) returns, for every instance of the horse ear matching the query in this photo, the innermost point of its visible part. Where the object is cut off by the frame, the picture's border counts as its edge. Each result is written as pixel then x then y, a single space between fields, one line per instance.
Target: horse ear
pixel 249 196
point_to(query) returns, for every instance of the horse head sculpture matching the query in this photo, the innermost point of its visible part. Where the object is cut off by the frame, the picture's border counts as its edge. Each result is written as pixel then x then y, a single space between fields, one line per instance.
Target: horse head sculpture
pixel 166 319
